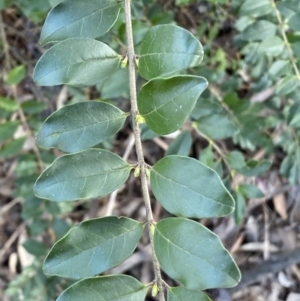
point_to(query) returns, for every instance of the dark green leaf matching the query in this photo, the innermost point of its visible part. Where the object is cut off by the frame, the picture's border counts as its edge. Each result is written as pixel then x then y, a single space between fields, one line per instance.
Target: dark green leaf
pixel 207 156
pixel 288 8
pixel 115 86
pixel 80 126
pixel 287 85
pixel 16 75
pixel 254 168
pixel 193 255
pixel 272 47
pixel 76 18
pixel 76 62
pixel 294 22
pixel 186 187
pixel 213 120
pixel 255 8
pixel 7 129
pixel 167 49
pixel 250 191
pixel 290 167
pixel 12 148
pixel 32 107
pixel 296 49
pixel 258 31
pixel 166 103
pixel 240 208
pixel 235 160
pixel 181 145
pixel 294 115
pixel 93 247
pixel 35 247
pixel 93 173
pixel 279 68
pixel 108 288
pixel 182 294
pixel 35 10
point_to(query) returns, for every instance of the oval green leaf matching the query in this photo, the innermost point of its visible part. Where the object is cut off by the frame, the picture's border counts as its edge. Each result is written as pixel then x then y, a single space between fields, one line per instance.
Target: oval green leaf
pixel 294 22
pixel 76 62
pixel 166 103
pixel 193 255
pixel 182 294
pixel 108 288
pixel 8 129
pixel 80 126
pixel 167 49
pixel 271 47
pixel 92 173
pixel 256 8
pixel 76 18
pixel 287 85
pixel 186 187
pixel 93 247
pixel 258 31
pixel 213 120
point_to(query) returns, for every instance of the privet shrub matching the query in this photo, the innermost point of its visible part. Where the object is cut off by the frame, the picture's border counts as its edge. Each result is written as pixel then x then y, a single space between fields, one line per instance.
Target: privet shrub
pixel 184 249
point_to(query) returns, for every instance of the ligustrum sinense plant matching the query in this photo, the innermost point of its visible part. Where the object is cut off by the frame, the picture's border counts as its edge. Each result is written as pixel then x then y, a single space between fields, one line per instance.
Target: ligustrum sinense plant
pixel 184 249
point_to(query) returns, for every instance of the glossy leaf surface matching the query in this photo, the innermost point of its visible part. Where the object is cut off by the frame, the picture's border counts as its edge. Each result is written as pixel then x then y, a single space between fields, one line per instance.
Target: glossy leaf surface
pixel 80 126
pixel 93 173
pixel 76 62
pixel 182 294
pixel 108 288
pixel 93 247
pixel 166 103
pixel 76 18
pixel 167 49
pixel 186 187
pixel 193 255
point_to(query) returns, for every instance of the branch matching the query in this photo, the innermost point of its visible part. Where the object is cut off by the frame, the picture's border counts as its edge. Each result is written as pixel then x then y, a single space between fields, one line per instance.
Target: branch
pixel 138 144
pixel 290 51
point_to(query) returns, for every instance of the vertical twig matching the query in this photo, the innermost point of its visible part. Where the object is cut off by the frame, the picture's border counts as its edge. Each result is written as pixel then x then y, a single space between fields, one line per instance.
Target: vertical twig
pixel 138 144
pixel 290 51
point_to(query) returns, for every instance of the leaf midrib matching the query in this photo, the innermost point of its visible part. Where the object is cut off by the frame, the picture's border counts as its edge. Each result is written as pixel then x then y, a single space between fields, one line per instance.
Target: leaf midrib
pixel 82 62
pixel 78 20
pixel 177 95
pixel 88 125
pixel 103 242
pixel 189 188
pixel 82 177
pixel 195 255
